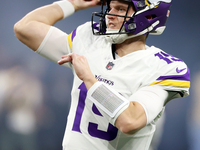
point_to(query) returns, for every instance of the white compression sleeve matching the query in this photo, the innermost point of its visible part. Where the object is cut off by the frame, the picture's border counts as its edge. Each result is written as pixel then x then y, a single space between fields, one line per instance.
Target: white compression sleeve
pixel 152 98
pixel 107 99
pixel 54 45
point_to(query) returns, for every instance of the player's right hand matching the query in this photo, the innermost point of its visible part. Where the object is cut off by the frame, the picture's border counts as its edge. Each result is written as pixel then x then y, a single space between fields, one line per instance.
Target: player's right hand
pixel 84 4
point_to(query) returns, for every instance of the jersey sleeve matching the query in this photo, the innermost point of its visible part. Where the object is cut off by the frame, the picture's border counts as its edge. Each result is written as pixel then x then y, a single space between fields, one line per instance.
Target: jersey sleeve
pixel 54 45
pixel 174 75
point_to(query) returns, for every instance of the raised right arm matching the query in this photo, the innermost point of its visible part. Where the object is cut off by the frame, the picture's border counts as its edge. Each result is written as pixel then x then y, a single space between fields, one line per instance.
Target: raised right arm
pixel 32 28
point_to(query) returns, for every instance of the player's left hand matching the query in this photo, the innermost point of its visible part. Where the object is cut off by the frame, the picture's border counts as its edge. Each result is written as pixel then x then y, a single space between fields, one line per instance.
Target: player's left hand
pixel 81 68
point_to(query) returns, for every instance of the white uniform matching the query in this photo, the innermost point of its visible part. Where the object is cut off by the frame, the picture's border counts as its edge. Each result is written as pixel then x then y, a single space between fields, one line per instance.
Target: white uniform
pixel 88 127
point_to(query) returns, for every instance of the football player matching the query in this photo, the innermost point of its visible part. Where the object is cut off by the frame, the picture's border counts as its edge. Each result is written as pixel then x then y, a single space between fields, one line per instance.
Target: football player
pixel 121 86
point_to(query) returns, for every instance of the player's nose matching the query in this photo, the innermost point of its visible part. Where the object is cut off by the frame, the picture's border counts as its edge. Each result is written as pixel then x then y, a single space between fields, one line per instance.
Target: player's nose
pixel 112 11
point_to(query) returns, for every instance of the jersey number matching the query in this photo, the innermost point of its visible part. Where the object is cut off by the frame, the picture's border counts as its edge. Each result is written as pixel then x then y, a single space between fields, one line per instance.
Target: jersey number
pixel 92 127
pixel 166 57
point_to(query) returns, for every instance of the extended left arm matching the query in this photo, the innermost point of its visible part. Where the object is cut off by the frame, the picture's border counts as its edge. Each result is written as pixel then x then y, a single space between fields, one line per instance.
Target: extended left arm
pixel 128 115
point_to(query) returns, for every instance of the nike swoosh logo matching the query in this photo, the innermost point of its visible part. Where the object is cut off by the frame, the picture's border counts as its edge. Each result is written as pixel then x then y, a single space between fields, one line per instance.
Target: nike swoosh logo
pixel 179 70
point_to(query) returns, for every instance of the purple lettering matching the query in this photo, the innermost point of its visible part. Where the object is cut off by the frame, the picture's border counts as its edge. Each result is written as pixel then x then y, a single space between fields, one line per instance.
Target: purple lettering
pixel 93 130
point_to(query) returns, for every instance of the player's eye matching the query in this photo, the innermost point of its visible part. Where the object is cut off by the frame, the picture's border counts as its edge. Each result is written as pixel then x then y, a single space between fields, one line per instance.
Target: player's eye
pixel 122 9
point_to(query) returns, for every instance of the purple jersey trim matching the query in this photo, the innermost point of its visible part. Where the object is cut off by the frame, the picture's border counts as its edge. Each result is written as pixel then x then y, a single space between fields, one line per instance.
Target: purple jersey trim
pixel 73 34
pixel 185 77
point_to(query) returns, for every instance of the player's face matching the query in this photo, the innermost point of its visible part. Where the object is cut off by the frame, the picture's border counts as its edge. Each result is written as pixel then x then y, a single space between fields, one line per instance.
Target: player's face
pixel 117 8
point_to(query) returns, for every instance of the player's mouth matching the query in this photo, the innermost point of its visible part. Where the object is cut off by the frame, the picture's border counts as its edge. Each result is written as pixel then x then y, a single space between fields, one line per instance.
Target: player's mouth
pixel 111 26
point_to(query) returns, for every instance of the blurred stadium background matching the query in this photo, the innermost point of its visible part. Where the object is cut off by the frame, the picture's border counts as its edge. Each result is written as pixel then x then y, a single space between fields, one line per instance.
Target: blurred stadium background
pixel 35 93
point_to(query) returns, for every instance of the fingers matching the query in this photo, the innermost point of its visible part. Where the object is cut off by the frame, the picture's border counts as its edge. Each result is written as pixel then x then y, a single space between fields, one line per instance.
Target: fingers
pixel 69 58
pixel 80 65
pixel 78 59
pixel 65 59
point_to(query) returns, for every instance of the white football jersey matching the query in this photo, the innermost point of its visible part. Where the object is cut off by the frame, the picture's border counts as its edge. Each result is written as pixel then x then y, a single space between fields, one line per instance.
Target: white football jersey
pixel 88 127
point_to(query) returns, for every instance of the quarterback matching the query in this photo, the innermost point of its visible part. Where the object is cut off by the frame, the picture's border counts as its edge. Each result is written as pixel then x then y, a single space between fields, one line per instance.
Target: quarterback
pixel 121 86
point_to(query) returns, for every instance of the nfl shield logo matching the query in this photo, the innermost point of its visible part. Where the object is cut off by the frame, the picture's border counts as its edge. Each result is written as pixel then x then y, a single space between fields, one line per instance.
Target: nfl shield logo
pixel 110 65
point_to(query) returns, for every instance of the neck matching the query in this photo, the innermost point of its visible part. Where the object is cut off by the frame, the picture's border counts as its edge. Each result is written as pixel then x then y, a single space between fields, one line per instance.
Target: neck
pixel 131 45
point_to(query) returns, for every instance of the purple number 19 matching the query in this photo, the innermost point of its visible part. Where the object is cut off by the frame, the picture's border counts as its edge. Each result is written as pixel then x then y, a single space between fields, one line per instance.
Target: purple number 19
pixel 92 127
pixel 166 57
